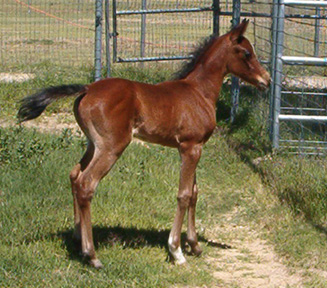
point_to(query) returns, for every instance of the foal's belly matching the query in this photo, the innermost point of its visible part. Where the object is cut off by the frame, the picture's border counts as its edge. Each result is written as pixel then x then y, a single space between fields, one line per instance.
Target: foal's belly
pixel 156 137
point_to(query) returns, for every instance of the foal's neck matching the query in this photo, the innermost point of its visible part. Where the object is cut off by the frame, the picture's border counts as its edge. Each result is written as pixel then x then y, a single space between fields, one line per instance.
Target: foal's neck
pixel 209 73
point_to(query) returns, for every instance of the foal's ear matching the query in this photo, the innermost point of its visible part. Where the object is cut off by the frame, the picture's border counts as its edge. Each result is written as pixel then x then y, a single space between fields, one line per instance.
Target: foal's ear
pixel 238 31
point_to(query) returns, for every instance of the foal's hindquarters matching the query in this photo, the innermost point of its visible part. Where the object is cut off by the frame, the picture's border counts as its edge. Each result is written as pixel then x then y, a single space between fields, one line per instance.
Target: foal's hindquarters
pixel 107 123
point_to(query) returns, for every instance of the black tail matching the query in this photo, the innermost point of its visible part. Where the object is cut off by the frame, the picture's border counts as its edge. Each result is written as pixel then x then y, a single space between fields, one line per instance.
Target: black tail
pixel 32 106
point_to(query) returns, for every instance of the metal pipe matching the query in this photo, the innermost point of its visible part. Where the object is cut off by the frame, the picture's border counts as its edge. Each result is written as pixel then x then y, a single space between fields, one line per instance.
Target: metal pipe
pixel 278 72
pixel 298 60
pixel 317 33
pixel 314 3
pixel 216 10
pixel 114 32
pixel 147 59
pixel 273 65
pixel 235 90
pixel 98 39
pixel 304 93
pixel 266 15
pixel 143 31
pixel 303 117
pixel 108 62
pixel 303 141
pixel 221 13
pixel 161 11
pixel 302 109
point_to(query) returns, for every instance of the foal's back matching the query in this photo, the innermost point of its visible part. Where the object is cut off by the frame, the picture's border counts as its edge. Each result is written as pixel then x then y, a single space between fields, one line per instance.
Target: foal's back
pixel 167 113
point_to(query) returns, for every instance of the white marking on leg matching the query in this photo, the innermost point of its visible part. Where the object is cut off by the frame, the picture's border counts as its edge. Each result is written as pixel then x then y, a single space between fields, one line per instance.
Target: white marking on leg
pixel 176 252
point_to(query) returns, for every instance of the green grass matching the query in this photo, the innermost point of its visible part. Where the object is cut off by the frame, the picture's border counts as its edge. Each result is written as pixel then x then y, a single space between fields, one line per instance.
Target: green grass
pixel 132 213
pixel 135 204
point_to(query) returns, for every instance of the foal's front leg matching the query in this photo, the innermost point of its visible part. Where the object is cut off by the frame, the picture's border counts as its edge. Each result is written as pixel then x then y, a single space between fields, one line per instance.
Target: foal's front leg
pixel 190 155
pixel 192 238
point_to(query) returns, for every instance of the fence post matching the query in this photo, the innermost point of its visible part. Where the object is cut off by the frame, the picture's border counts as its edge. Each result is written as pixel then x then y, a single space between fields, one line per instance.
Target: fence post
pixel 98 39
pixel 235 90
pixel 108 61
pixel 317 31
pixel 278 72
pixel 273 65
pixel 143 31
pixel 216 11
pixel 114 32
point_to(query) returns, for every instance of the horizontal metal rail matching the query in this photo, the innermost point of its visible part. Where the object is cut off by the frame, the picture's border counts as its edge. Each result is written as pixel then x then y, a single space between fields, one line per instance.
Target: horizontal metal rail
pixel 306 3
pixel 302 117
pixel 302 109
pixel 304 93
pixel 221 13
pixel 303 141
pixel 303 147
pixel 306 153
pixel 161 11
pixel 148 59
pixel 298 60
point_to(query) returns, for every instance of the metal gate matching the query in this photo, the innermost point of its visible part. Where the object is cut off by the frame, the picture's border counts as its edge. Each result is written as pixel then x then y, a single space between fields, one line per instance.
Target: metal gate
pixel 156 31
pixel 298 110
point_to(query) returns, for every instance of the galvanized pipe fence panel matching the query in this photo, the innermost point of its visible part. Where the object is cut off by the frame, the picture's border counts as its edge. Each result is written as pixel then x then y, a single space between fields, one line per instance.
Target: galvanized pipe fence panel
pixel 299 110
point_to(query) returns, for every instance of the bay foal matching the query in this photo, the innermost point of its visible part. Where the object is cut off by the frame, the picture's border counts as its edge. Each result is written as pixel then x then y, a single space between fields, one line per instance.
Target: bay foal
pixel 178 113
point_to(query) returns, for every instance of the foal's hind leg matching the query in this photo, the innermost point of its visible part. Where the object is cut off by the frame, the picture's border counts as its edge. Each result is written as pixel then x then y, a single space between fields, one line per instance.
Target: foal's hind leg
pixel 74 174
pixel 89 177
pixel 192 238
pixel 102 161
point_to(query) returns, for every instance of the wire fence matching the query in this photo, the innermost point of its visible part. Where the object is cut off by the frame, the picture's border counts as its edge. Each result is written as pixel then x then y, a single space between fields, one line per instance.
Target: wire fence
pixel 34 31
pixel 62 32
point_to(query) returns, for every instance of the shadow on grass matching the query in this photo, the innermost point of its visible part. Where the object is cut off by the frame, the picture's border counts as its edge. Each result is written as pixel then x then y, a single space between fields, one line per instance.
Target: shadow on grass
pixel 127 238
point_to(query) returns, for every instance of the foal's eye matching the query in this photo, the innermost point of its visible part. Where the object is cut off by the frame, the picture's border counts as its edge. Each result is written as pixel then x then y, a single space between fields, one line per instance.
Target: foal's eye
pixel 247 54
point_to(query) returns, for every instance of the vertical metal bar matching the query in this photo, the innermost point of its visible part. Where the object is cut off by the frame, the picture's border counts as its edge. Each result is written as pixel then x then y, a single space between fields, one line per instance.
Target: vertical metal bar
pixel 279 72
pixel 98 39
pixel 235 90
pixel 114 32
pixel 29 8
pixel 317 32
pixel 107 38
pixel 274 17
pixel 143 31
pixel 216 11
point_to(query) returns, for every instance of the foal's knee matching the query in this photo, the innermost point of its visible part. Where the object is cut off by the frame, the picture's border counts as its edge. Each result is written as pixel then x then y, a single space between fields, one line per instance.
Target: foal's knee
pixel 74 173
pixel 184 199
pixel 84 193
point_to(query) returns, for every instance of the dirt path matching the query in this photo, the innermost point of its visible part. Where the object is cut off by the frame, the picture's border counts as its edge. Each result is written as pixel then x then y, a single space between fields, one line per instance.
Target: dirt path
pixel 54 123
pixel 248 261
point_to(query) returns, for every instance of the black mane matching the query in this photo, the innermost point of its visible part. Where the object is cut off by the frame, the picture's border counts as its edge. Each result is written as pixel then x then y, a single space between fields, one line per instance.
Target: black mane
pixel 188 66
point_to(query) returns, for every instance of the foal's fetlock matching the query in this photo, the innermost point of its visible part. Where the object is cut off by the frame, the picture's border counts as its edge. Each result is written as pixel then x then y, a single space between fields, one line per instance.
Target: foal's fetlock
pixel 96 263
pixel 195 247
pixel 177 254
pixel 91 259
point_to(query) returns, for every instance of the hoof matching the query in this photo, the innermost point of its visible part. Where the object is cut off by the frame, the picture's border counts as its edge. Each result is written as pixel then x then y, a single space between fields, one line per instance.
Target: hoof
pixel 177 256
pixel 180 261
pixel 96 263
pixel 196 250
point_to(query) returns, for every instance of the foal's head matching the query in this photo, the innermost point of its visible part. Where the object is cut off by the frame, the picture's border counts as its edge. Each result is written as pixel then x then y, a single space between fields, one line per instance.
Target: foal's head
pixel 242 60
